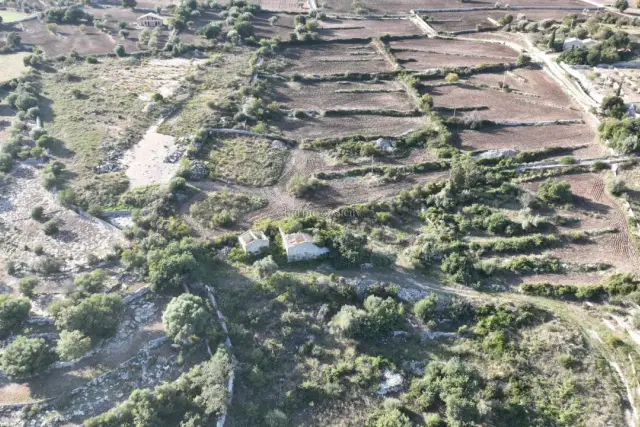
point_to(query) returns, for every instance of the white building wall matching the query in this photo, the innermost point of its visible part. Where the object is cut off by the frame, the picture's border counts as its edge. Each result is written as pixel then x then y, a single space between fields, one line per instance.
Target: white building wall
pixel 256 246
pixel 305 251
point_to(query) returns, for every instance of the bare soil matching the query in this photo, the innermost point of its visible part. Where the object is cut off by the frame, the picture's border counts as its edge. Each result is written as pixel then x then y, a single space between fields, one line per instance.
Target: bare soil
pixel 12 66
pixel 368 125
pixel 498 105
pixel 332 29
pixel 423 54
pixel 78 237
pixel 597 211
pixel 342 95
pixel 284 26
pixel 284 5
pixel 528 138
pixel 67 38
pixel 145 163
pixel 534 83
pixel 335 58
pixel 465 21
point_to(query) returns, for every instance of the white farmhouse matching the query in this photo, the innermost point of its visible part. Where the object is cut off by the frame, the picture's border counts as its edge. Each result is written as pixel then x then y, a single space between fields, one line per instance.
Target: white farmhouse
pixel 253 241
pixel 150 20
pixel 575 42
pixel 300 246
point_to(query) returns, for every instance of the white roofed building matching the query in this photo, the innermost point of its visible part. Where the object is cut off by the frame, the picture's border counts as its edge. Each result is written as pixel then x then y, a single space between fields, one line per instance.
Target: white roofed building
pixel 150 20
pixel 253 241
pixel 300 246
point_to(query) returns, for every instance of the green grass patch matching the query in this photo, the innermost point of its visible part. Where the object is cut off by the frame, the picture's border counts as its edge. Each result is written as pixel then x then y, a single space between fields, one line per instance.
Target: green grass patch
pixel 224 208
pixel 249 161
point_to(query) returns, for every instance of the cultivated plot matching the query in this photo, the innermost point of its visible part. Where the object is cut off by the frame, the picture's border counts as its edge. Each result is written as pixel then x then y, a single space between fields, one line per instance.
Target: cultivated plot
pixel 462 100
pixel 335 127
pixel 531 138
pixel 12 66
pixel 596 211
pixel 299 6
pixel 331 29
pixel 335 58
pixel 422 54
pixel 532 83
pixel 380 95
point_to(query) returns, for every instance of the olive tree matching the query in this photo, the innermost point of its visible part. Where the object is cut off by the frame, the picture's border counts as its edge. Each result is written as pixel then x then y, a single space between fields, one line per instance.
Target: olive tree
pixel 25 357
pixel 186 319
pixel 72 345
pixel 13 312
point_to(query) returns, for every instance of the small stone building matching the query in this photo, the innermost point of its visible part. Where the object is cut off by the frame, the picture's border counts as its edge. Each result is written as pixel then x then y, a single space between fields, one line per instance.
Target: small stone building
pixel 575 42
pixel 300 246
pixel 150 20
pixel 253 241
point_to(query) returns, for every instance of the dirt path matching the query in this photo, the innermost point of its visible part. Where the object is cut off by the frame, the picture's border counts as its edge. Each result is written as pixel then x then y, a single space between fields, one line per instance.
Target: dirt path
pixel 145 163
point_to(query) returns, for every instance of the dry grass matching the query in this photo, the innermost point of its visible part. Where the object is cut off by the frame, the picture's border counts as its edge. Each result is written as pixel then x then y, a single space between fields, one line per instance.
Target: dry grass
pixel 343 95
pixel 12 66
pixel 335 58
pixel 249 161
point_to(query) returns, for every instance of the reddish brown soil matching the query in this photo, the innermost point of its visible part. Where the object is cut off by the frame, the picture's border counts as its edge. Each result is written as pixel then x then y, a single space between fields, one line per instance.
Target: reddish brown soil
pixel 368 189
pixel 284 26
pixel 68 38
pixel 404 6
pixel 464 21
pixel 368 125
pixel 528 138
pixel 421 54
pixel 333 95
pixel 331 29
pixel 534 82
pixel 336 58
pixel 597 210
pixel 502 106
pixel 284 5
pixel 461 21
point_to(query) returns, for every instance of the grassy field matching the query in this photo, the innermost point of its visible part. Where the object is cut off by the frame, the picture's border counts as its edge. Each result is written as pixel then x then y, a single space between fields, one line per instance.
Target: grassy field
pixel 11 15
pixel 212 85
pixel 12 65
pixel 248 161
pixel 91 114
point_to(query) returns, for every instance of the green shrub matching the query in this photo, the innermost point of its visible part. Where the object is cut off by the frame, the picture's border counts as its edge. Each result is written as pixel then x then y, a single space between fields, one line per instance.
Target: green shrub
pixel 91 60
pixel 51 227
pixel 555 192
pixel 27 285
pixel 25 357
pixel 37 213
pixel 97 315
pixel 13 313
pixel 91 282
pixel 617 187
pixel 265 267
pixel 72 345
pixel 427 308
pixel 186 319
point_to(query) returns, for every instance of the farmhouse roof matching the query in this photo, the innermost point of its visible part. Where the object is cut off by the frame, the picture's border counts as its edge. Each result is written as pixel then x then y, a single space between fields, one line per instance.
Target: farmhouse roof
pixel 295 239
pixel 572 40
pixel 250 236
pixel 150 15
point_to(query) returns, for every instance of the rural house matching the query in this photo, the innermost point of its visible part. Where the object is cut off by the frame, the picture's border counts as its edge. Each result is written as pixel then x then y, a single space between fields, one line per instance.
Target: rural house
pixel 300 246
pixel 575 42
pixel 150 20
pixel 253 241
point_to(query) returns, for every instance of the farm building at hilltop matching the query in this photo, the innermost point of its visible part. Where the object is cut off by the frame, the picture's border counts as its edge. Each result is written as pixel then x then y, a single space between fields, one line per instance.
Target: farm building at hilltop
pixel 575 42
pixel 150 20
pixel 300 246
pixel 253 241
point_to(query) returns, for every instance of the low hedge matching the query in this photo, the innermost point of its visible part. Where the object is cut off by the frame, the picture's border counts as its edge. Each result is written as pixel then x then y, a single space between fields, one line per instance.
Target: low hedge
pixel 616 285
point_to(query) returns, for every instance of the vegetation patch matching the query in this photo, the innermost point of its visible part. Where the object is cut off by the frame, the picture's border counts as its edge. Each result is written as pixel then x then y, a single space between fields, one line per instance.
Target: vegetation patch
pixel 223 208
pixel 250 161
